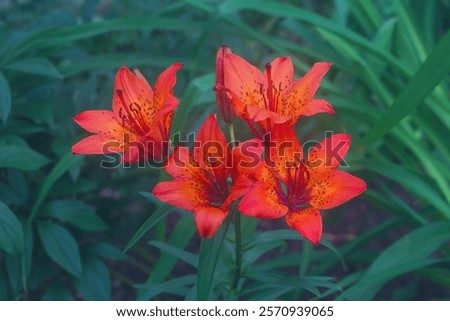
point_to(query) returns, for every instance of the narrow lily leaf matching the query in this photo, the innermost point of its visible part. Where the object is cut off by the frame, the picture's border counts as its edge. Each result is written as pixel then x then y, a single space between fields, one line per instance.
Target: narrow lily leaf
pixel 183 255
pixel 411 181
pixel 5 98
pixel 255 252
pixel 63 36
pixel 60 246
pixel 11 232
pixel 210 250
pixel 64 164
pixel 286 10
pixel 426 78
pixel 37 66
pixel 176 286
pixel 307 283
pixel 438 275
pixel 179 237
pixel 407 254
pixel 154 218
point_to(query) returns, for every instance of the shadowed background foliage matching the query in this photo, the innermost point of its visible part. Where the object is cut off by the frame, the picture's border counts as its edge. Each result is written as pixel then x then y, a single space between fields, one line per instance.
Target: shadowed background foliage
pixel 70 229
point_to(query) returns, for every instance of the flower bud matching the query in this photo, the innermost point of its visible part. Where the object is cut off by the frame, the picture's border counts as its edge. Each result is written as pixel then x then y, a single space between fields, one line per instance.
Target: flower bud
pixel 225 108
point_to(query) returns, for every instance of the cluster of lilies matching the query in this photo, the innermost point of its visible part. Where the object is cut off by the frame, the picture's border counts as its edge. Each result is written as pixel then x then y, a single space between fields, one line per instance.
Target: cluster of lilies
pixel 269 176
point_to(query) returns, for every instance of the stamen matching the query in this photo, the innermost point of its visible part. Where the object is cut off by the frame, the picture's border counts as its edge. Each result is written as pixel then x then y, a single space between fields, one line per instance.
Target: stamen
pixel 132 115
pixel 269 87
pixel 296 195
pixel 218 189
pixel 261 86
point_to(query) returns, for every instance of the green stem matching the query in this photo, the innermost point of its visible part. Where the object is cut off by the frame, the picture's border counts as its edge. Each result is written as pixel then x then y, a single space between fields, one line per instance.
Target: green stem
pixel 237 229
pixel 23 277
pixel 231 132
pixel 237 271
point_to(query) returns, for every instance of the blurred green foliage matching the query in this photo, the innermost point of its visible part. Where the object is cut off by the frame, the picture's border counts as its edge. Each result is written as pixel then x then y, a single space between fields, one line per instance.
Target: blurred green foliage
pixel 65 221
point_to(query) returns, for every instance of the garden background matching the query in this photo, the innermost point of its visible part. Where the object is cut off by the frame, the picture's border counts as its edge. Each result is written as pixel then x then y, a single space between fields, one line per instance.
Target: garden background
pixel 70 229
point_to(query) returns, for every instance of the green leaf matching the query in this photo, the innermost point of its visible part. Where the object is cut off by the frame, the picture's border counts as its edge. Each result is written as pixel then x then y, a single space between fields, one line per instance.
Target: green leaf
pixel 173 286
pixel 308 283
pixel 210 250
pixel 3 286
pixel 411 252
pixel 422 83
pixel 107 251
pixel 287 10
pixel 94 283
pixel 411 181
pixel 191 95
pixel 11 232
pixel 76 213
pixel 13 270
pixel 37 66
pixel 439 275
pixel 20 156
pixel 5 98
pixel 64 164
pixel 157 215
pixel 183 255
pixel 60 246
pixel 63 36
pixel 179 237
pixel 16 192
pixel 57 293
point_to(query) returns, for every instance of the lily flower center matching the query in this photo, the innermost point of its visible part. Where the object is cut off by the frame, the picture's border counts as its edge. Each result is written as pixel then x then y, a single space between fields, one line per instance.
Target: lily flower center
pixel 131 114
pixel 217 188
pixel 293 191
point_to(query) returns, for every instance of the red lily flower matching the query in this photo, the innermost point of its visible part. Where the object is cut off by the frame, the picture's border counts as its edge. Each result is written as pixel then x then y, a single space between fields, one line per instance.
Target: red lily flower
pixel 288 185
pixel 139 124
pixel 274 97
pixel 202 178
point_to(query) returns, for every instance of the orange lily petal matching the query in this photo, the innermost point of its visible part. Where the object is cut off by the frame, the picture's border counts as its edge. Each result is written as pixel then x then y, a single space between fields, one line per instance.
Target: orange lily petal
pixel 100 122
pixel 329 153
pixel 307 222
pixel 259 114
pixel 185 193
pixel 262 201
pixel 208 220
pixel 181 163
pixel 247 156
pixel 303 90
pixel 240 187
pixel 164 87
pixel 239 108
pixel 244 80
pixel 282 73
pixel 133 154
pixel 210 131
pixel 332 188
pixel 284 149
pixel 98 144
pixel 317 106
pixel 135 92
pixel 212 150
